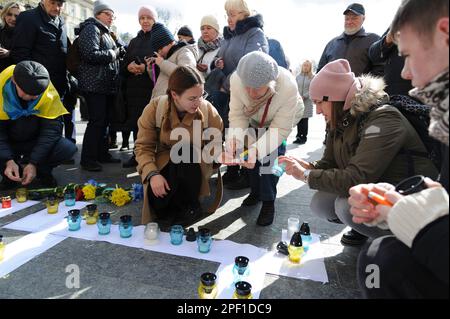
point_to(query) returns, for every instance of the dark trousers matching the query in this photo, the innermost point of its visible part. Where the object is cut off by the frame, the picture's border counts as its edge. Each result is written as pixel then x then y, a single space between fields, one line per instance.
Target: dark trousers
pixel 302 129
pixel 62 151
pixel 184 180
pixel 221 101
pixel 265 185
pixel 95 141
pixel 401 276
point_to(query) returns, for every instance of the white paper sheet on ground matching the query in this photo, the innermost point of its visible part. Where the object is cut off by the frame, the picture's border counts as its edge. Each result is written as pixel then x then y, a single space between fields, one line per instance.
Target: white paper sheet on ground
pixel 222 251
pixel 15 207
pixel 26 248
pixel 312 265
pixel 225 279
pixel 42 220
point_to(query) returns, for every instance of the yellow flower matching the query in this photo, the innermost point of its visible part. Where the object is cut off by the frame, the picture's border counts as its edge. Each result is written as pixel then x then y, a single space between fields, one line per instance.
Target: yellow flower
pixel 120 197
pixel 89 191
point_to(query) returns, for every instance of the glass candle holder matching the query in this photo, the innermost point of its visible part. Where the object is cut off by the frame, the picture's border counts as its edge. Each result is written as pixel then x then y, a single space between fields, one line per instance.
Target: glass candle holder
pixel 204 240
pixel 305 233
pixel 69 198
pixel 125 226
pixel 21 195
pixel 2 248
pixel 6 202
pixel 91 214
pixel 278 169
pixel 52 205
pixel 296 248
pixel 176 234
pixel 240 268
pixel 207 288
pixel 243 290
pixel 104 224
pixel 293 226
pixel 151 233
pixel 74 219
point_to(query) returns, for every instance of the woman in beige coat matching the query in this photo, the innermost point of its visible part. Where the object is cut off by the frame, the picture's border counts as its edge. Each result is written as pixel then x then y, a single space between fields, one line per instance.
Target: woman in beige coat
pixel 264 97
pixel 178 140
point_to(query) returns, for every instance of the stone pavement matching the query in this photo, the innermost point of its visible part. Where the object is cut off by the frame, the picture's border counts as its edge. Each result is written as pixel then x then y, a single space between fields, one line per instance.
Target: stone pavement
pixel 114 271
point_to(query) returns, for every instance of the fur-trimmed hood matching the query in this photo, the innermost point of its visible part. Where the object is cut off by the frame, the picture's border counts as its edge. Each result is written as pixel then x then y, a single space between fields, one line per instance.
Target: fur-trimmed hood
pixel 243 26
pixel 371 94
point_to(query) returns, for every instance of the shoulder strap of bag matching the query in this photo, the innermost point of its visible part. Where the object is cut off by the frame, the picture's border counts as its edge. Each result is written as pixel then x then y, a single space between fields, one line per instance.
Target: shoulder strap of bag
pixel 266 111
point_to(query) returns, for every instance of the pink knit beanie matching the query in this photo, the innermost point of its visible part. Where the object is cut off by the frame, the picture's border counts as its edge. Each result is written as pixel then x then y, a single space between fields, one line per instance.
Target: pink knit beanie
pixel 335 83
pixel 148 11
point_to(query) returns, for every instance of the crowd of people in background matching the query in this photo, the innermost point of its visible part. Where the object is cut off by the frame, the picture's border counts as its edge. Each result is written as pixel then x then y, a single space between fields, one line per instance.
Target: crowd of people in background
pixel 374 92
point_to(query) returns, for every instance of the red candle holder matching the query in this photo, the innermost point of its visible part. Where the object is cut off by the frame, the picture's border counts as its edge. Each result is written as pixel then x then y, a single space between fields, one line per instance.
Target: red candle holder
pixel 6 202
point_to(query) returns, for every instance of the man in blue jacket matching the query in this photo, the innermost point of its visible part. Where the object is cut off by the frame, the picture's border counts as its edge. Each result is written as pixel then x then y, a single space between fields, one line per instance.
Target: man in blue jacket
pixel 31 144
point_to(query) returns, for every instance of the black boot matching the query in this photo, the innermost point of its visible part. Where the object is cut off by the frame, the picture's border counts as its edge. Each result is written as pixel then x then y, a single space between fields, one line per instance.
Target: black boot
pixel 231 175
pixel 242 182
pixel 251 200
pixel 353 238
pixel 266 214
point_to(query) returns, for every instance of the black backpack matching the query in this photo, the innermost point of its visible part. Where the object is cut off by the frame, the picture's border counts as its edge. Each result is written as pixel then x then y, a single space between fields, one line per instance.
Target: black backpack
pixel 418 115
pixel 73 58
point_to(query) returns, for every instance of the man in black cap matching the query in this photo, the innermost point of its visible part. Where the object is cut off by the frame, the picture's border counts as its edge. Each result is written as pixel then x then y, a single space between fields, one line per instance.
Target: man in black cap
pixel 31 144
pixel 353 45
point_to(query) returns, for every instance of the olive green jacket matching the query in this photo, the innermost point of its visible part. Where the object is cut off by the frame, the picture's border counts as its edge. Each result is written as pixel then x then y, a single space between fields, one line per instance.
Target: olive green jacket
pixel 372 155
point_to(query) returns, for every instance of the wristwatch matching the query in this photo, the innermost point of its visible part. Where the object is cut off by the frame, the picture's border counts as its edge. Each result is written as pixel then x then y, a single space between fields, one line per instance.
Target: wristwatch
pixel 306 176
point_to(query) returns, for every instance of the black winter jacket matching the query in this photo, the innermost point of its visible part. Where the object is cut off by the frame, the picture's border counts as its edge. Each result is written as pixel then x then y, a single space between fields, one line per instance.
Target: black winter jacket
pixel 6 34
pixel 38 38
pixel 99 68
pixel 355 49
pixel 32 130
pixel 138 88
pixel 380 53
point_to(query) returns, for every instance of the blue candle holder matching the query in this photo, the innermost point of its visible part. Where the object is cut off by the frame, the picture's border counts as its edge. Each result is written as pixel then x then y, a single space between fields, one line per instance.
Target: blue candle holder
pixel 176 234
pixel 204 240
pixel 125 226
pixel 104 224
pixel 74 219
pixel 69 198
pixel 305 233
pixel 240 269
pixel 278 169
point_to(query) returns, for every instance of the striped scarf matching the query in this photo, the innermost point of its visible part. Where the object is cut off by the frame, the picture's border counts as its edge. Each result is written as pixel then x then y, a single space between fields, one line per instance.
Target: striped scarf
pixel 435 94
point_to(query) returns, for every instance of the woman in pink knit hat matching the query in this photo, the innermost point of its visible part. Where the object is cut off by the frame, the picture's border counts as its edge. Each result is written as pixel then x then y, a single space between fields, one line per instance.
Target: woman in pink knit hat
pixel 366 144
pixel 137 84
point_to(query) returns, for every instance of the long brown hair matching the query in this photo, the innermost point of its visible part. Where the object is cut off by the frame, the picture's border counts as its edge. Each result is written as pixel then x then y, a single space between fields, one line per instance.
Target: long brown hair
pixel 336 113
pixel 182 79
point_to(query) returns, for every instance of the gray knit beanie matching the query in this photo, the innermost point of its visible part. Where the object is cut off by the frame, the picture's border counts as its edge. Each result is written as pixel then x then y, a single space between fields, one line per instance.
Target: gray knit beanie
pixel 100 6
pixel 256 69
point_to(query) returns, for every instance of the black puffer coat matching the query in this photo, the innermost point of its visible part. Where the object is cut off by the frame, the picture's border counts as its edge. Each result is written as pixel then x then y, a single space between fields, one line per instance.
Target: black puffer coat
pixel 99 68
pixel 138 88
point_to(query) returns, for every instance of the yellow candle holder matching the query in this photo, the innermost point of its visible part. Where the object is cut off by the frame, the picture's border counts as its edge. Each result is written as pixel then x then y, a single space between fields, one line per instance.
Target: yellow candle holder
pixel 21 195
pixel 2 248
pixel 207 288
pixel 295 254
pixel 91 215
pixel 52 205
pixel 243 290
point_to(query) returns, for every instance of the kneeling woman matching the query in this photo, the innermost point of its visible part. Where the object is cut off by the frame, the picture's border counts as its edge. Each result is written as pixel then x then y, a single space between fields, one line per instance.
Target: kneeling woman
pixel 173 181
pixel 369 141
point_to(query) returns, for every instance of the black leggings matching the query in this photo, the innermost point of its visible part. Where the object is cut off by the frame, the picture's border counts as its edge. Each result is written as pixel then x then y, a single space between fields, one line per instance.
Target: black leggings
pixel 184 180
